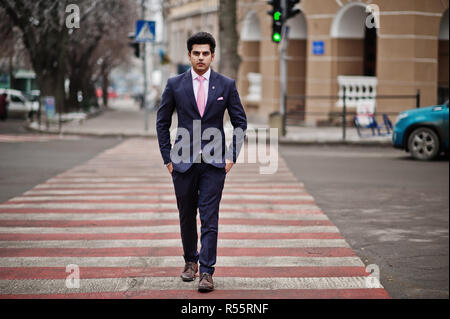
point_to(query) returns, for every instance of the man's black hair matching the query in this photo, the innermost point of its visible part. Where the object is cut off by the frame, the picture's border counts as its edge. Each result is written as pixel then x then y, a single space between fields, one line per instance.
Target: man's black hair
pixel 201 38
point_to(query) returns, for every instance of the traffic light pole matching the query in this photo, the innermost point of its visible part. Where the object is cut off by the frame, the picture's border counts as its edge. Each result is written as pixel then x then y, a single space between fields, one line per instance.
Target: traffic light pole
pixel 144 57
pixel 282 10
pixel 283 70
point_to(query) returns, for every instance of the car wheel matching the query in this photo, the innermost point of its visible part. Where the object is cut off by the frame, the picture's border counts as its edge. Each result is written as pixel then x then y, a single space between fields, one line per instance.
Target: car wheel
pixel 423 144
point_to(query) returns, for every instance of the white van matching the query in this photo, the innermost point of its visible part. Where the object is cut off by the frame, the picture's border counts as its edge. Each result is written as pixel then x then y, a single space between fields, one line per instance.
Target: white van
pixel 18 103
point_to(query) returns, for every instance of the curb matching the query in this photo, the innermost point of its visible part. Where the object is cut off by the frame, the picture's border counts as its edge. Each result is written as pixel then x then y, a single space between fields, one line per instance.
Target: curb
pixel 281 141
pixel 90 134
pixel 335 143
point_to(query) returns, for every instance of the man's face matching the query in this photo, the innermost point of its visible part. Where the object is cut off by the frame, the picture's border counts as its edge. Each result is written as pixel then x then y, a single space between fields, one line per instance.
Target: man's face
pixel 201 58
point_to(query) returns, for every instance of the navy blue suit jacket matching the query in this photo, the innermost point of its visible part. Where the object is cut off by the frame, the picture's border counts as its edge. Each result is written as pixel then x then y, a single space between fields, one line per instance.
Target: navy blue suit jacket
pixel 179 95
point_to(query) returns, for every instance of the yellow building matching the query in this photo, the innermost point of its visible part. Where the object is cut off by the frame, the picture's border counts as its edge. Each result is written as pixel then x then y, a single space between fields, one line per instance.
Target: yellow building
pixel 332 44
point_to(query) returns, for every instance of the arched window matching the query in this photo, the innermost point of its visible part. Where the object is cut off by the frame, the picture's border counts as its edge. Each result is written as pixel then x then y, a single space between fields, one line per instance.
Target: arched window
pixel 249 50
pixel 250 28
pixel 351 24
pixel 297 27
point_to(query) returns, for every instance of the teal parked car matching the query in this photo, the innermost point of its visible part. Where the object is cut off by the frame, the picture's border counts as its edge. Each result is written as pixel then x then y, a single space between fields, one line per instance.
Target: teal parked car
pixel 422 132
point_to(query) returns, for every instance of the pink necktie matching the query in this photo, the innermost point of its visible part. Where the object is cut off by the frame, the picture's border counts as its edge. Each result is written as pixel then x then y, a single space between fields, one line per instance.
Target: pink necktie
pixel 201 96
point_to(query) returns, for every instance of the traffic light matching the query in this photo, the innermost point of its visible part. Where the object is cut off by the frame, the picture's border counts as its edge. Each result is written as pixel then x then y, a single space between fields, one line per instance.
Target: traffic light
pixel 137 51
pixel 276 12
pixel 135 45
pixel 277 28
pixel 290 11
pixel 277 19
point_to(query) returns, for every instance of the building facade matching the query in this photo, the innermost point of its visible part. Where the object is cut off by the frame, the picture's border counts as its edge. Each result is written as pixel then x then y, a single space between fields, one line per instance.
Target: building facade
pixel 373 49
pixel 186 18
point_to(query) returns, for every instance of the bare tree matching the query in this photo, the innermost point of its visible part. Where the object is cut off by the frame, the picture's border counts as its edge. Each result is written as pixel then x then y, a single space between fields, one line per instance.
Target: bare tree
pixel 228 37
pixel 7 41
pixel 82 43
pixel 110 54
pixel 114 49
pixel 57 51
pixel 12 50
pixel 45 37
pixel 96 45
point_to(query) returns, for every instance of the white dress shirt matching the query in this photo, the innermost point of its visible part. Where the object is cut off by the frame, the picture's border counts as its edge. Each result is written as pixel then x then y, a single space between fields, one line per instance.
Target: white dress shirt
pixel 196 83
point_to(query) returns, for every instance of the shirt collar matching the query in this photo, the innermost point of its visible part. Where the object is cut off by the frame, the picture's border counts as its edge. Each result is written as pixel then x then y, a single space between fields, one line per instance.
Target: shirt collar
pixel 206 75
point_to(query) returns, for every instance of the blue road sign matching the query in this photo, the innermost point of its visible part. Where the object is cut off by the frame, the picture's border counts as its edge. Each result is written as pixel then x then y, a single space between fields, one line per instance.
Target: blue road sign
pixel 49 102
pixel 145 31
pixel 318 47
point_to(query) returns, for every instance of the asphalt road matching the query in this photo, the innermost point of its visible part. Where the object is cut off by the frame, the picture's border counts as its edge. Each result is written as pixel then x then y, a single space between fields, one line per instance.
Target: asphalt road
pixel 392 210
pixel 24 165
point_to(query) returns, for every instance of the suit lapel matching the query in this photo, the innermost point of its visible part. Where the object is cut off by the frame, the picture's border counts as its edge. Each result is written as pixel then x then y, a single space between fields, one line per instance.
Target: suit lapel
pixel 189 90
pixel 212 90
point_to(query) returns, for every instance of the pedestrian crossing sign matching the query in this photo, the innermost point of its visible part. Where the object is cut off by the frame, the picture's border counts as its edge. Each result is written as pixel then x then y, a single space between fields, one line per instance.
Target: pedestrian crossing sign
pixel 145 31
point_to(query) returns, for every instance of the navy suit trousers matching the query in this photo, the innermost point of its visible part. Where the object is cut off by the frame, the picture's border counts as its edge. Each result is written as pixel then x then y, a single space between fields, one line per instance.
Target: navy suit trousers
pixel 200 187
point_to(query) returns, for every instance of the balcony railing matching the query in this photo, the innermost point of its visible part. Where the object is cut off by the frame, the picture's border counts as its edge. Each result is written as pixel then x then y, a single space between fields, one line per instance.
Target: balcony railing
pixel 358 90
pixel 254 88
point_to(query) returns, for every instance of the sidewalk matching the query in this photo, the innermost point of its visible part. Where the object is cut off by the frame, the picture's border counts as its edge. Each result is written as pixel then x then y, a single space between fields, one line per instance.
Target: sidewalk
pixel 125 119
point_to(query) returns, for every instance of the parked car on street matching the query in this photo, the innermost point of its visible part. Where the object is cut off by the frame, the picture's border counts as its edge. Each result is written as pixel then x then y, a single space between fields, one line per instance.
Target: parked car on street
pixel 423 132
pixel 18 103
pixel 33 95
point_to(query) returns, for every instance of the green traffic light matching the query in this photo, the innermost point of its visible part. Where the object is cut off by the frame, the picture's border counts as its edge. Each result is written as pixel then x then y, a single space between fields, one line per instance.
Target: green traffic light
pixel 276 37
pixel 277 15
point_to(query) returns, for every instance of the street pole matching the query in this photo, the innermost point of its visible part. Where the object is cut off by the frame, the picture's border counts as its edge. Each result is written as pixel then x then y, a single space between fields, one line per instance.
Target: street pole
pixel 283 69
pixel 344 115
pixel 144 53
pixel 418 99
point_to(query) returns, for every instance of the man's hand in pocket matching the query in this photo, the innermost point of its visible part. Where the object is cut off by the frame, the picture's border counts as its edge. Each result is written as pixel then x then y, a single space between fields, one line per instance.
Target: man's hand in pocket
pixel 228 165
pixel 170 168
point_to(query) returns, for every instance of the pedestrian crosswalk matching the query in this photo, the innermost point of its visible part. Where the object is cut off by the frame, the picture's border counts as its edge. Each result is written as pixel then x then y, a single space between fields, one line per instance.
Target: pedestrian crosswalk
pixel 115 218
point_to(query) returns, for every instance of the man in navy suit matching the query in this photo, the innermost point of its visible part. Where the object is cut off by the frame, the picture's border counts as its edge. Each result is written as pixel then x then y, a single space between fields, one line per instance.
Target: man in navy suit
pixel 199 159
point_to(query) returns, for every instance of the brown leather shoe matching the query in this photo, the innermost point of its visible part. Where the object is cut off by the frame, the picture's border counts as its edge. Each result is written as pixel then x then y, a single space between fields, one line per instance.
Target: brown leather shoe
pixel 206 283
pixel 190 269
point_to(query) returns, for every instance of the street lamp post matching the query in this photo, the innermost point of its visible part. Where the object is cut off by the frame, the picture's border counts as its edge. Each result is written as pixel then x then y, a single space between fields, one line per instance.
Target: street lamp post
pixel 144 54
